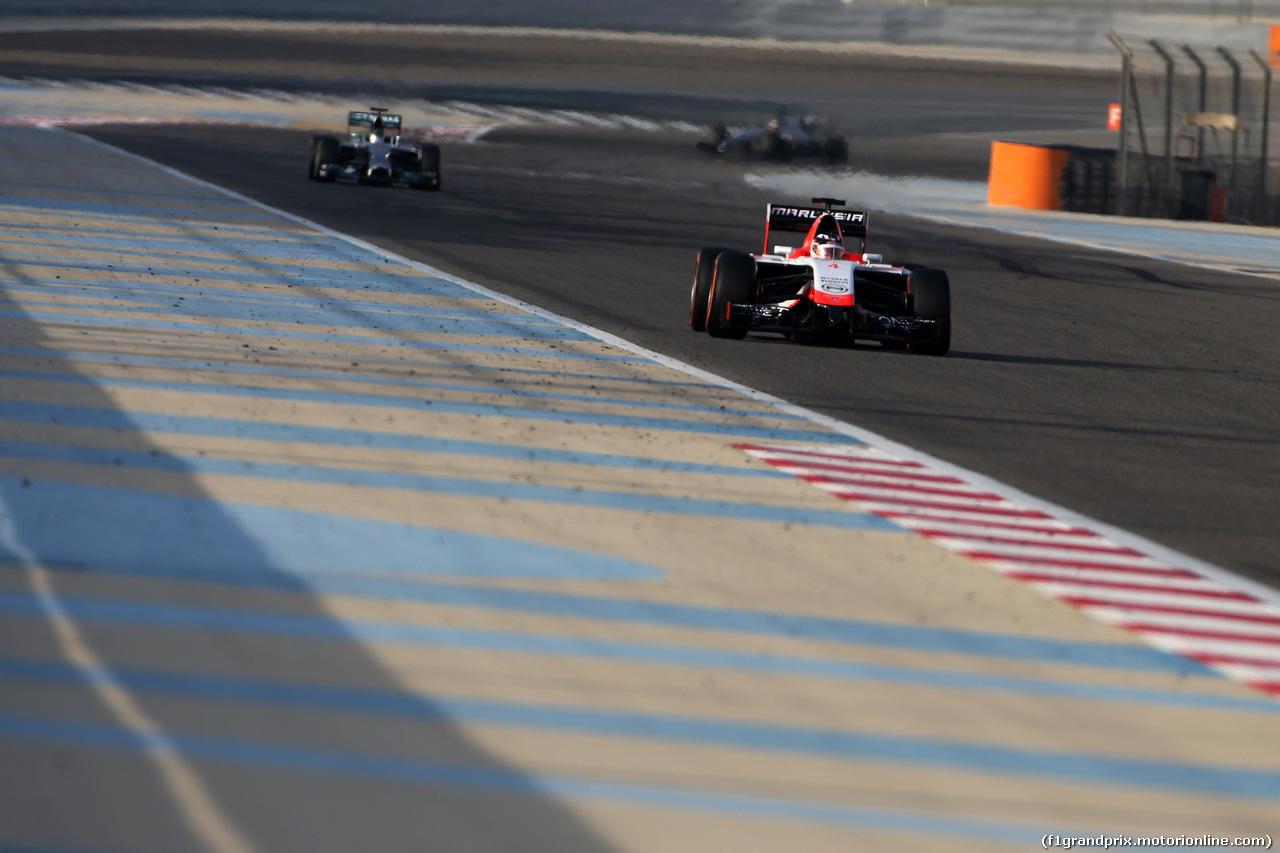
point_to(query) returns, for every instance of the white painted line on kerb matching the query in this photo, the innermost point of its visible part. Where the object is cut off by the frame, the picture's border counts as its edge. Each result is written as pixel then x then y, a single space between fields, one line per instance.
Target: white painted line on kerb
pixel 1212 623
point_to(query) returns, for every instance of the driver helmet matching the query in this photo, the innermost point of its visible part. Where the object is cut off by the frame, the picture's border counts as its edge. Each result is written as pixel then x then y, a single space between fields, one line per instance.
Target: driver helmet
pixel 826 246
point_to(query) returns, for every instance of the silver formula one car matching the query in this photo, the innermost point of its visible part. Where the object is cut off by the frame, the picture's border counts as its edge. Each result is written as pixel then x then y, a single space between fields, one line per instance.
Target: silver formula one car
pixel 819 290
pixel 784 138
pixel 375 153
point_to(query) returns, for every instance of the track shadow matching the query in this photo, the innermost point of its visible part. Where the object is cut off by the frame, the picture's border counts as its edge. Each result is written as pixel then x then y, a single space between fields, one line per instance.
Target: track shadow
pixel 169 679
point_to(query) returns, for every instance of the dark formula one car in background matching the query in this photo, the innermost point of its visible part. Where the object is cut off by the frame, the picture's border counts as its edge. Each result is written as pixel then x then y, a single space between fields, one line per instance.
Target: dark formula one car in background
pixel 819 290
pixel 374 153
pixel 783 139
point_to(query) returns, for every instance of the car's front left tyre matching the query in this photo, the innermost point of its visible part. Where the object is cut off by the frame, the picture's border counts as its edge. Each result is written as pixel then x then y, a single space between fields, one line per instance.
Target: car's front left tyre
pixel 836 150
pixel 429 167
pixel 930 292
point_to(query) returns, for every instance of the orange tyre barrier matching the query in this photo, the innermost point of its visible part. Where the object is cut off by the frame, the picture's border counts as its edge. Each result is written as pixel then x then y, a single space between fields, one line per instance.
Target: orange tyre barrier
pixel 1025 175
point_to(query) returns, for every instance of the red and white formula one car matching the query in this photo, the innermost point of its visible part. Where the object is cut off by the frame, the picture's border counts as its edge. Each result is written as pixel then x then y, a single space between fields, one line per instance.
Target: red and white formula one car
pixel 820 290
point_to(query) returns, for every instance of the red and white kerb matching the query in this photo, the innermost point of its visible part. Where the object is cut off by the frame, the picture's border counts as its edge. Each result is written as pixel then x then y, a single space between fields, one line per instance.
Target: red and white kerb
pixel 1172 608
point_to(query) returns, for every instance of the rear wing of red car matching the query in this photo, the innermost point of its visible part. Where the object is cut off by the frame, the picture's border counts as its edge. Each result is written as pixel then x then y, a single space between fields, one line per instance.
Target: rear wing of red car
pixel 790 218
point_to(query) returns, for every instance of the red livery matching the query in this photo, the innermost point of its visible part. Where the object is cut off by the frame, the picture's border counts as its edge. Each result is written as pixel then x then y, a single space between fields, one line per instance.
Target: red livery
pixel 821 288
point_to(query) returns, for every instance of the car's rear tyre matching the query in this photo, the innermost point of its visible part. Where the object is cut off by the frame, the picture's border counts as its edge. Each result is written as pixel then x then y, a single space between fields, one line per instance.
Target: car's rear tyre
pixel 429 167
pixel 733 281
pixel 704 271
pixel 931 300
pixel 326 150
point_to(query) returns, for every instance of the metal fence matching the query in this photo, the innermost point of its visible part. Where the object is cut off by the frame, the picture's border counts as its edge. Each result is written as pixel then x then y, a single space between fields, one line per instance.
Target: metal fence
pixel 1194 138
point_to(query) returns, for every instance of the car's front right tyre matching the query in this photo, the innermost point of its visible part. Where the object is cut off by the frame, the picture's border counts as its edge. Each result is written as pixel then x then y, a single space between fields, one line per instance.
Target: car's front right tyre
pixel 703 271
pixel 313 162
pixel 733 282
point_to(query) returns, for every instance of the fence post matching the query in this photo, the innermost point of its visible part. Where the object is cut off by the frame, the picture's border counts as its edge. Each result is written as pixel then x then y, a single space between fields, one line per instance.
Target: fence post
pixel 1204 90
pixel 1266 126
pixel 1235 111
pixel 1122 147
pixel 1168 124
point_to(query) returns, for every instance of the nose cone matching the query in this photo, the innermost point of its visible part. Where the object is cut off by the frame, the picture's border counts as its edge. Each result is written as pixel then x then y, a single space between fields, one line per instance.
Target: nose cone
pixel 379 162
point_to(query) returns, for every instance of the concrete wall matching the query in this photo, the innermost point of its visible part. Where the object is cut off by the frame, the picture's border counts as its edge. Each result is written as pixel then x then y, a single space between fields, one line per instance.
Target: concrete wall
pixel 1026 26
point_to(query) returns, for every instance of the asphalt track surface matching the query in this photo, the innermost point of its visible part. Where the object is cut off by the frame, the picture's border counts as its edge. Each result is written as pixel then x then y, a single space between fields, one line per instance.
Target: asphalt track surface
pixel 1134 391
pixel 676 78
pixel 602 227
